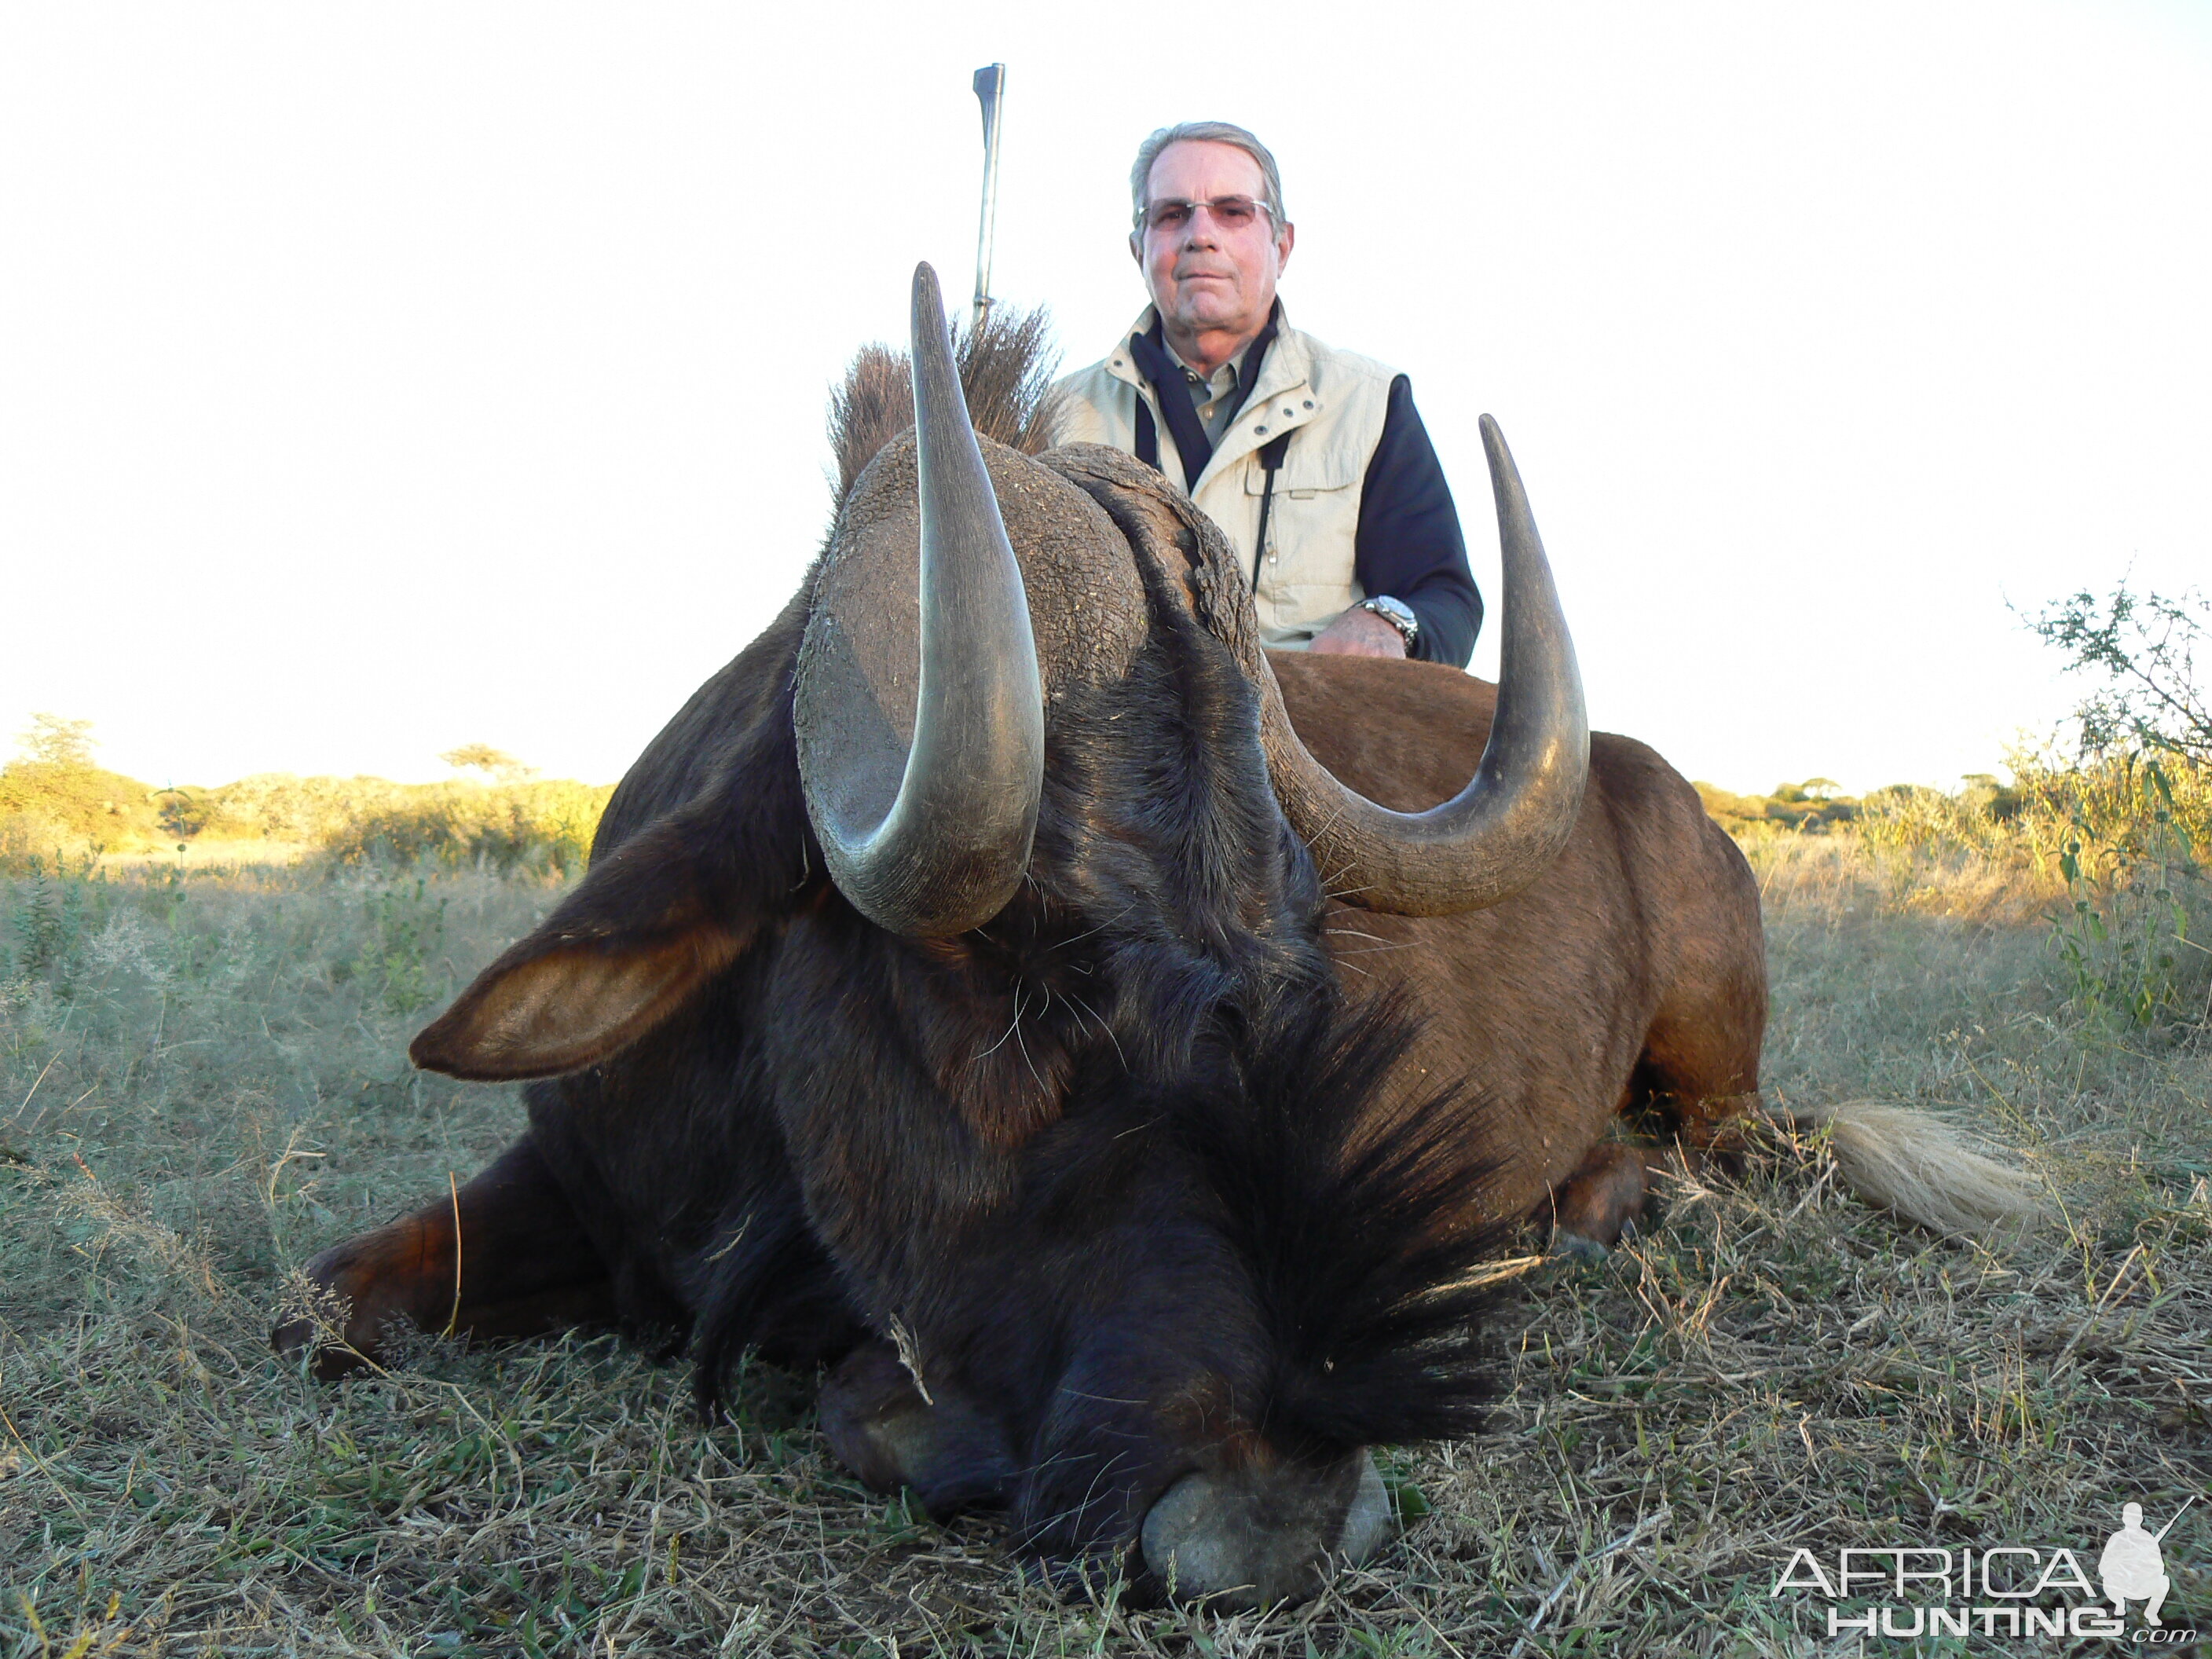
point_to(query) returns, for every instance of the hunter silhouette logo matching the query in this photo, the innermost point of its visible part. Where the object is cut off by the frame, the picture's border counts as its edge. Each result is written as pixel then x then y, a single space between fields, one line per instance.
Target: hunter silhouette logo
pixel 2002 1590
pixel 2133 1567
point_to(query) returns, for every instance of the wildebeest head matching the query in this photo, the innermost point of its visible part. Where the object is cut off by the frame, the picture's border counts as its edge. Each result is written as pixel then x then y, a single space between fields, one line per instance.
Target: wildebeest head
pixel 994 920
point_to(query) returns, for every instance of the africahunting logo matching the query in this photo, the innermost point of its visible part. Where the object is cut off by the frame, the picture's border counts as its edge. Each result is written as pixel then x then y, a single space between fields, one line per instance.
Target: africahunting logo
pixel 2007 1590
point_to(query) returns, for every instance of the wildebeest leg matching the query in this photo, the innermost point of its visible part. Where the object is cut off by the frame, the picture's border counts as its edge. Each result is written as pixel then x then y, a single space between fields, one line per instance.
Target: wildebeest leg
pixel 879 1426
pixel 502 1257
pixel 1695 1082
pixel 1699 1076
pixel 1612 1186
pixel 1595 1204
pixel 1696 1085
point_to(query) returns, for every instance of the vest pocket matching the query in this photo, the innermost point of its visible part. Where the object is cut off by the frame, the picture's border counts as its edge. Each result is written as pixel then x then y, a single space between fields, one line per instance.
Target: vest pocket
pixel 1304 476
pixel 1306 570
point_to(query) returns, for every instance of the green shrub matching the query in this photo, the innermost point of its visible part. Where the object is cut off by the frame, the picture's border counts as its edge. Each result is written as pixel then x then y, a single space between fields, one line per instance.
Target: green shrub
pixel 55 804
pixel 2116 841
pixel 505 827
pixel 44 805
pixel 1809 808
pixel 53 798
pixel 2135 892
pixel 548 826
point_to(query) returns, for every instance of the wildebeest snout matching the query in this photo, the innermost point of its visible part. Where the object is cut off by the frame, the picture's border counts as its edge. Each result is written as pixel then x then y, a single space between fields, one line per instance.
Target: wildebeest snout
pixel 1256 1535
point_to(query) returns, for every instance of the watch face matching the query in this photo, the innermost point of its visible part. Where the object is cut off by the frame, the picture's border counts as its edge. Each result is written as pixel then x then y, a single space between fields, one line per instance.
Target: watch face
pixel 1397 613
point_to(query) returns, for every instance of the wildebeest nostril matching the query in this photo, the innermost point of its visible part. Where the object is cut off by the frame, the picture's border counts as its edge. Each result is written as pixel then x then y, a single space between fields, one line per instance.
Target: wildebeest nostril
pixel 1251 1537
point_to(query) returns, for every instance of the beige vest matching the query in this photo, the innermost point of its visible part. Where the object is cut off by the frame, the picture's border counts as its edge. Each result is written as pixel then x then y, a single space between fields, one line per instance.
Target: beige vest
pixel 1333 400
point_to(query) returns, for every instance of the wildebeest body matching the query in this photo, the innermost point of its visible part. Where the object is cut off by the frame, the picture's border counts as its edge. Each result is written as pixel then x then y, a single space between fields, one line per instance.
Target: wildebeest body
pixel 1144 1206
pixel 1629 976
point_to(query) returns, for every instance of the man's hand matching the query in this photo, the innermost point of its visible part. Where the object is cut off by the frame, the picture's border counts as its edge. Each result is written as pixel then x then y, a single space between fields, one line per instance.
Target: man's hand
pixel 1359 633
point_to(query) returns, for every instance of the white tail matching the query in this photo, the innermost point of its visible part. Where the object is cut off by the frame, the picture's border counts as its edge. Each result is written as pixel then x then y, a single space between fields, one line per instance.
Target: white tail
pixel 1923 1168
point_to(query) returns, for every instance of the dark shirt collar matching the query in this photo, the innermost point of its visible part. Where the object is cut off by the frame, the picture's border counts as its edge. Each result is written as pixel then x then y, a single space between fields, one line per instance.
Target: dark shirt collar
pixel 1247 366
pixel 1164 371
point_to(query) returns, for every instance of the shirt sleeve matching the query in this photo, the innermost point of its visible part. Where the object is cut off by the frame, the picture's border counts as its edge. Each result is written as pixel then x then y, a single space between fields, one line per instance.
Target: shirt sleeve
pixel 1408 544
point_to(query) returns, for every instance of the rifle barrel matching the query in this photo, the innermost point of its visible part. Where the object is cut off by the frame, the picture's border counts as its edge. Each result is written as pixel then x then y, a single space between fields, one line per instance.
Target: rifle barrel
pixel 2160 1535
pixel 990 85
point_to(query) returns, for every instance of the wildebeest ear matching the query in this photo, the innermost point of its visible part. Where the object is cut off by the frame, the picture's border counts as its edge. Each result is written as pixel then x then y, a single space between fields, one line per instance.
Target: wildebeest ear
pixel 650 924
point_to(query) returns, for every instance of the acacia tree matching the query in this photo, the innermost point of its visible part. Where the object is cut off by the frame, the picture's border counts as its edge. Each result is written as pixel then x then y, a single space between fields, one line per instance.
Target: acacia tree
pixel 53 741
pixel 493 762
pixel 2143 648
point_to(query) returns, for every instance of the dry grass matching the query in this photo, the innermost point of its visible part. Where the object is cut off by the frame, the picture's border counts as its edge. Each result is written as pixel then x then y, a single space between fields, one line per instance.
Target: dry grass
pixel 201 1082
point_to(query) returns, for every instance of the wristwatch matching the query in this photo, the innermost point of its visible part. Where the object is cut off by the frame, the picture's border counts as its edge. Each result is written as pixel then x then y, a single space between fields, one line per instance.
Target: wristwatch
pixel 1398 614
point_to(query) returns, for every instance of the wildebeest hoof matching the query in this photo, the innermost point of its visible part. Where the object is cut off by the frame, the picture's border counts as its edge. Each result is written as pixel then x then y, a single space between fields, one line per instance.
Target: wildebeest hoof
pixel 1575 1249
pixel 1253 1538
pixel 878 1425
pixel 362 1288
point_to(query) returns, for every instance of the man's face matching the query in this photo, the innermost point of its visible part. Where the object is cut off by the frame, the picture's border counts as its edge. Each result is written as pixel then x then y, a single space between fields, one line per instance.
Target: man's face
pixel 1205 276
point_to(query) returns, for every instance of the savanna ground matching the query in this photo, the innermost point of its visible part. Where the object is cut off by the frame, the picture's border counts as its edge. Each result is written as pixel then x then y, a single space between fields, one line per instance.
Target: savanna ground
pixel 202 1081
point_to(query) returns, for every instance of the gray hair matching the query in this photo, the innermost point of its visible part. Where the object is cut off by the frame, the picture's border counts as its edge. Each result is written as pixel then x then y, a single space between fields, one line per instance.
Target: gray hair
pixel 1205 132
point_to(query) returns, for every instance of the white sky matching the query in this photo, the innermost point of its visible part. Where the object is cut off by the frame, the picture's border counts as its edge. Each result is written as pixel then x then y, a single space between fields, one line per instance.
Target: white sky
pixel 378 378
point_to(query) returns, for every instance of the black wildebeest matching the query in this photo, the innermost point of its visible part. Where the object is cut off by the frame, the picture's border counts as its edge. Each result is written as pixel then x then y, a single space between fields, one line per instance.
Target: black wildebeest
pixel 1040 1006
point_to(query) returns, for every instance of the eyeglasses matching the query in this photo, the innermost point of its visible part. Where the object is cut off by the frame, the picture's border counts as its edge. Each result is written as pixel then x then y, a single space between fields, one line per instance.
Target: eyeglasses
pixel 1229 212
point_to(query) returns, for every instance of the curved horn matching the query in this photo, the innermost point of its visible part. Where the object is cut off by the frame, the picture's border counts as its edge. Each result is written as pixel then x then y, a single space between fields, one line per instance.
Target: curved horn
pixel 1499 833
pixel 946 851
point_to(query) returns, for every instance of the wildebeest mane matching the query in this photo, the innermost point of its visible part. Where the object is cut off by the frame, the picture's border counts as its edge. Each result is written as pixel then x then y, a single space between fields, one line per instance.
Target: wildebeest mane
pixel 1358 1222
pixel 1348 1226
pixel 1007 370
pixel 1160 829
